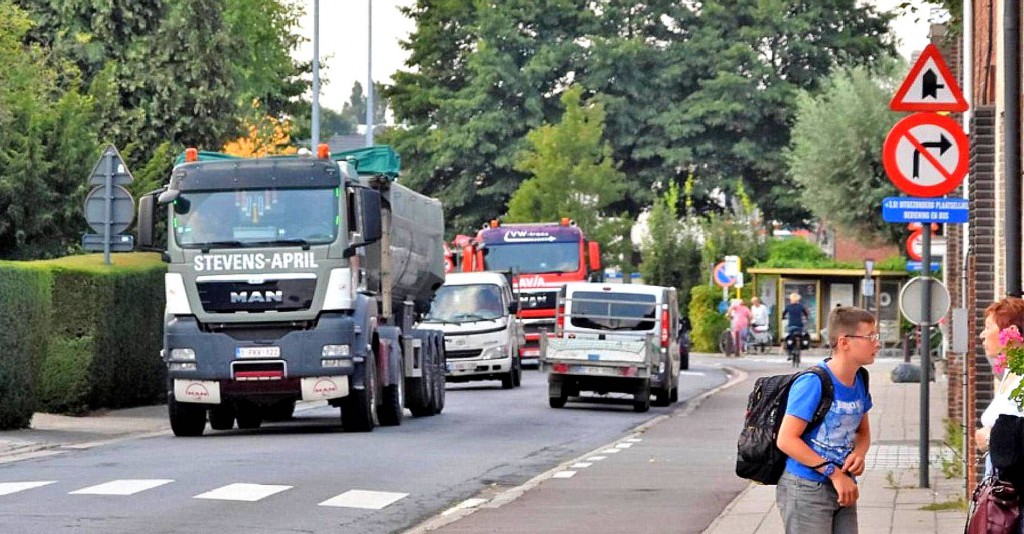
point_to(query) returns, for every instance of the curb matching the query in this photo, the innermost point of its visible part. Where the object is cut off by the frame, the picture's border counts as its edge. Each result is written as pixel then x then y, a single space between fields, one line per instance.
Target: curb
pixel 473 504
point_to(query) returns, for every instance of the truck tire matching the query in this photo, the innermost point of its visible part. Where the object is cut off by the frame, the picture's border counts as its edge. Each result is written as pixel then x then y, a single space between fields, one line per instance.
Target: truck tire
pixel 642 399
pixel 420 391
pixel 222 417
pixel 187 419
pixel 557 396
pixel 440 368
pixel 249 416
pixel 359 410
pixel 663 397
pixel 509 380
pixel 393 405
pixel 673 397
pixel 517 378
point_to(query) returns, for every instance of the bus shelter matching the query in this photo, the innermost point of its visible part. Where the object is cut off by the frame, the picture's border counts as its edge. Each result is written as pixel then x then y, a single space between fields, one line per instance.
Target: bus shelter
pixel 821 290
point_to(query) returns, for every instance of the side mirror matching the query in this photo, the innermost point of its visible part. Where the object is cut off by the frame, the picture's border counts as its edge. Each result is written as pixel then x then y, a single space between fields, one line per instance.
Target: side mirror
pixel 513 307
pixel 594 255
pixel 368 219
pixel 147 207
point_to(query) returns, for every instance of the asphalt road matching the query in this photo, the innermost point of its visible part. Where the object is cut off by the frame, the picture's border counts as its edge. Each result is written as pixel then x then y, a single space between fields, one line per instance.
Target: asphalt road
pixel 307 476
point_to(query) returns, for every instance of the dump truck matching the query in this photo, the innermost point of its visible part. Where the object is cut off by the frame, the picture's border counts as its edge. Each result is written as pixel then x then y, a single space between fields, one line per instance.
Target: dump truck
pixel 297 278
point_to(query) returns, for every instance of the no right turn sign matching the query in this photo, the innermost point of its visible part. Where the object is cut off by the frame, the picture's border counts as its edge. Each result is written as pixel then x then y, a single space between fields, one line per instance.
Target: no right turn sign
pixel 925 155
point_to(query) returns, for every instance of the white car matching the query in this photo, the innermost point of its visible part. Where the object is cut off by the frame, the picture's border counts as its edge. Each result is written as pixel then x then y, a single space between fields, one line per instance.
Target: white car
pixel 477 313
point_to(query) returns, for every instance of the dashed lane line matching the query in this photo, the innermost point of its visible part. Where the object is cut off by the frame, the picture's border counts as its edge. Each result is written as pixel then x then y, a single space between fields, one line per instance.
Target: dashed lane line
pixel 242 492
pixel 122 487
pixel 7 488
pixel 368 500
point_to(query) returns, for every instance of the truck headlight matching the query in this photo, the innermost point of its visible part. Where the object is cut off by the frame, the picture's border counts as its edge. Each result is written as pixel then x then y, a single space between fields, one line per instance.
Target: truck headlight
pixel 493 353
pixel 183 355
pixel 335 351
pixel 182 366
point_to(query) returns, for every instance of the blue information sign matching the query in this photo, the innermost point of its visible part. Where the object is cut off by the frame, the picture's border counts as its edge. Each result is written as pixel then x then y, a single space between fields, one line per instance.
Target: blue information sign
pixel 915 266
pixel 924 210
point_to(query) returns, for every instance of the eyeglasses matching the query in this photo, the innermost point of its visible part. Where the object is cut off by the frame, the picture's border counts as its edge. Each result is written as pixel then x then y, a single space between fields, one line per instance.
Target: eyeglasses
pixel 872 337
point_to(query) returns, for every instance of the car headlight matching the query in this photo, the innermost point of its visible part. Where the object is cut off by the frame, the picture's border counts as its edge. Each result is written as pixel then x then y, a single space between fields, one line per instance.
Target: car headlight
pixel 183 355
pixel 493 353
pixel 335 351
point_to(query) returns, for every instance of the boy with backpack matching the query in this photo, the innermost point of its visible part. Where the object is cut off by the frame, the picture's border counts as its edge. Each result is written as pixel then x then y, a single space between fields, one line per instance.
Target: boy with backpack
pixel 818 492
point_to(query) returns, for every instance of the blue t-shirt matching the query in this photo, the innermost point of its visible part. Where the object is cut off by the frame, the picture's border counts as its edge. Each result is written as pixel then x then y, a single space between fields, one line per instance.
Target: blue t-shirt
pixel 794 313
pixel 833 438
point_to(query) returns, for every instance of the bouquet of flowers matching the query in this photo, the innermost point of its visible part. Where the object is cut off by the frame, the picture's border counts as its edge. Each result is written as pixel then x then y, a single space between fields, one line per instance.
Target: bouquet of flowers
pixel 1011 358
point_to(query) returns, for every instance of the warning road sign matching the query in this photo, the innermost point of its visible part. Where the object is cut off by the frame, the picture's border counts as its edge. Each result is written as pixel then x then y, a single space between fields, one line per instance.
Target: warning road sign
pixel 929 86
pixel 925 155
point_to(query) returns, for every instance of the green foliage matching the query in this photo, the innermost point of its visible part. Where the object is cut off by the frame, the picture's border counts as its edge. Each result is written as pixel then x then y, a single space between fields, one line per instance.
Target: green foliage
pixel 895 263
pixel 98 331
pixel 707 324
pixel 834 151
pixel 573 175
pixel 671 253
pixel 25 315
pixel 732 235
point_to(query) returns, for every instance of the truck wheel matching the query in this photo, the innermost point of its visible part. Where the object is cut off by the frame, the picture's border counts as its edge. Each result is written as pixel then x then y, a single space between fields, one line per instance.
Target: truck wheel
pixel 393 410
pixel 187 419
pixel 420 391
pixel 359 410
pixel 517 376
pixel 249 417
pixel 673 397
pixel 509 380
pixel 662 397
pixel 642 399
pixel 439 372
pixel 556 395
pixel 222 417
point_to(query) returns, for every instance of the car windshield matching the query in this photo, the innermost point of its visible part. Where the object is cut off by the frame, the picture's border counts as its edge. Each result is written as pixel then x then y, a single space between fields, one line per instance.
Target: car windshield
pixel 466 303
pixel 256 217
pixel 613 311
pixel 534 258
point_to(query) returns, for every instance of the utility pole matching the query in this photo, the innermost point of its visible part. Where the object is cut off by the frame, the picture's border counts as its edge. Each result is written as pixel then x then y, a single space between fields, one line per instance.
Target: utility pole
pixel 315 127
pixel 369 72
pixel 1011 144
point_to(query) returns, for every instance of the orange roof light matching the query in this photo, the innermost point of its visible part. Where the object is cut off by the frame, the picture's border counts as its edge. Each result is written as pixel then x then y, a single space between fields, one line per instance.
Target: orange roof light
pixel 564 221
pixel 495 223
pixel 191 155
pixel 323 151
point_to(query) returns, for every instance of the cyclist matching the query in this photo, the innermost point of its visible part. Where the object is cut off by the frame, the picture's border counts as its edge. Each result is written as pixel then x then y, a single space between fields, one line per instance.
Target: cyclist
pixel 795 313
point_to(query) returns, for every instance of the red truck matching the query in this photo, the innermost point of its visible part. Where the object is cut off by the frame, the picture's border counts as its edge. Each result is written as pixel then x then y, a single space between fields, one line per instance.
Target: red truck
pixel 541 257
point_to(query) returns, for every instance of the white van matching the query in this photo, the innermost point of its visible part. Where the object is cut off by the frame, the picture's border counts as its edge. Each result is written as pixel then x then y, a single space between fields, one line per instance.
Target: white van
pixel 482 336
pixel 614 338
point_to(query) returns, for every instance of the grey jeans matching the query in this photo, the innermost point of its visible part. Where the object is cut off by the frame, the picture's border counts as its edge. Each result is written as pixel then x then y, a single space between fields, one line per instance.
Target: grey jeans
pixel 813 507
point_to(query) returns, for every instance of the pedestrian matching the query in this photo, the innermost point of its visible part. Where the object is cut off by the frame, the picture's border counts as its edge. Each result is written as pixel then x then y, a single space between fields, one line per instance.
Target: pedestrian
pixel 739 317
pixel 794 314
pixel 818 489
pixel 1004 315
pixel 759 314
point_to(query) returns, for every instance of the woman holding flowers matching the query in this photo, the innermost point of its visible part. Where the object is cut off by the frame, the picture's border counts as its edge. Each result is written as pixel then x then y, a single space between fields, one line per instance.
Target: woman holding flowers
pixel 1004 322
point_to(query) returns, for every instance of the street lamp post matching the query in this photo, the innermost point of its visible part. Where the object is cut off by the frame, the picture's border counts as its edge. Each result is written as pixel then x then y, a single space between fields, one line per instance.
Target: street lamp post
pixel 315 127
pixel 369 72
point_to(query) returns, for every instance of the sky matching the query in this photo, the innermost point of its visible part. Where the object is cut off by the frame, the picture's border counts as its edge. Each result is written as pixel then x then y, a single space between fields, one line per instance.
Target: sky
pixel 343 41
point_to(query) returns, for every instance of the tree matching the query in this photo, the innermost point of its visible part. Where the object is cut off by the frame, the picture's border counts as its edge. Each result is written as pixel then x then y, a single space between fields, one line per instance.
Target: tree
pixel 355 108
pixel 266 136
pixel 834 153
pixel 671 253
pixel 572 175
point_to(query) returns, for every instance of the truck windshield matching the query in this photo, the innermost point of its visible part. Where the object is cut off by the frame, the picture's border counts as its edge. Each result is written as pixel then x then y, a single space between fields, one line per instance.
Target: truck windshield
pixel 465 303
pixel 613 311
pixel 534 258
pixel 256 217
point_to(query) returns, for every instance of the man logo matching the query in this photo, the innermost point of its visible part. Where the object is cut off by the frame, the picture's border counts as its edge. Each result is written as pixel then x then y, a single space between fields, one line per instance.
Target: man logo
pixel 249 297
pixel 197 392
pixel 326 388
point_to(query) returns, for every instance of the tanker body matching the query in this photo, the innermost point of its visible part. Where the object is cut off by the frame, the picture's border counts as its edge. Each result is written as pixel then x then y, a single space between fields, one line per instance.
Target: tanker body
pixel 297 278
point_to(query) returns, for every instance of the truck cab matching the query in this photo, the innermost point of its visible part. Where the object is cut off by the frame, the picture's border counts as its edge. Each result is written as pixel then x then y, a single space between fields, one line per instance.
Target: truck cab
pixel 482 336
pixel 614 338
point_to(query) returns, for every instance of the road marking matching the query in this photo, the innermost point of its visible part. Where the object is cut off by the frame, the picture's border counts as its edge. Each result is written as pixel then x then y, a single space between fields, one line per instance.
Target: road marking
pixel 7 488
pixel 634 440
pixel 466 504
pixel 610 451
pixel 242 492
pixel 581 465
pixel 691 373
pixel 623 445
pixel 122 487
pixel 369 500
pixel 564 474
pixel 596 458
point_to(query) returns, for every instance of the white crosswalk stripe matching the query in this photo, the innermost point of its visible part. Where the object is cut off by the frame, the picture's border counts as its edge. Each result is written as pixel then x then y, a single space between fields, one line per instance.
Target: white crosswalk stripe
pixel 370 500
pixel 564 474
pixel 242 492
pixel 122 487
pixel 7 488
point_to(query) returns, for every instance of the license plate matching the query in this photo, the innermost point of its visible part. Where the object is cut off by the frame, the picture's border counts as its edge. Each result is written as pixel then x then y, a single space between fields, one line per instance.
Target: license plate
pixel 590 370
pixel 258 352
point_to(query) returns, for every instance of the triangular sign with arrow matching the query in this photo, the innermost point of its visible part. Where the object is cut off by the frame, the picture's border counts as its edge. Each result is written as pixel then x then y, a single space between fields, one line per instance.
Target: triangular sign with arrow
pixel 929 86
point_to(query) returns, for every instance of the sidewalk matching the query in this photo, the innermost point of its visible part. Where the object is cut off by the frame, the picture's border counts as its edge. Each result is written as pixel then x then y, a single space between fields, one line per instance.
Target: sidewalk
pixel 890 498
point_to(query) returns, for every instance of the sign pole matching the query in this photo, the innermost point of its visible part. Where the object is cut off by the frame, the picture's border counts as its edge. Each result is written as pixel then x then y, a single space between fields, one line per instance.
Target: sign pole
pixel 108 180
pixel 926 306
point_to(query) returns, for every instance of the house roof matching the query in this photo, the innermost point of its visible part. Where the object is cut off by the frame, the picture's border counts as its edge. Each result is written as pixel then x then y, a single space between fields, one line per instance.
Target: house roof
pixel 852 273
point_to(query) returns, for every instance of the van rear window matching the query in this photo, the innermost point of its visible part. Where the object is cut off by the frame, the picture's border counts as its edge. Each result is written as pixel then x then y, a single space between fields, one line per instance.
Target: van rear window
pixel 613 311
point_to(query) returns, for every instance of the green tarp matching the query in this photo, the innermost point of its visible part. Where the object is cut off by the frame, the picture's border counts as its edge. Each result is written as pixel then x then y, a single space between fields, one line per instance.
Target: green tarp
pixel 374 160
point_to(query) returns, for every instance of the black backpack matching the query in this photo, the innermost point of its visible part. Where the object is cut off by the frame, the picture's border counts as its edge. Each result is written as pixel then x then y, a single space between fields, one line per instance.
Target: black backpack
pixel 758 458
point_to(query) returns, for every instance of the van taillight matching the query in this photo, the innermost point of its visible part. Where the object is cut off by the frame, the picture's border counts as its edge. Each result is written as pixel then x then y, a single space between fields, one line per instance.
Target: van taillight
pixel 559 321
pixel 664 328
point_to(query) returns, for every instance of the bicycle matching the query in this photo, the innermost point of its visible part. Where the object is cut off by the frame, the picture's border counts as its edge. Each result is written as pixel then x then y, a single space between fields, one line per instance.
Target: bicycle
pixel 727 343
pixel 795 342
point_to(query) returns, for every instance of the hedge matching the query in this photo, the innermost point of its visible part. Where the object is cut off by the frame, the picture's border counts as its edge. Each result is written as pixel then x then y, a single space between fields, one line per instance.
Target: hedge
pixel 102 328
pixel 24 325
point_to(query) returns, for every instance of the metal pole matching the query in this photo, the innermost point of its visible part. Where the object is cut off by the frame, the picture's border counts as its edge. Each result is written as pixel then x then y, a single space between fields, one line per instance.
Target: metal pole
pixel 315 128
pixel 1011 144
pixel 926 306
pixel 108 208
pixel 369 72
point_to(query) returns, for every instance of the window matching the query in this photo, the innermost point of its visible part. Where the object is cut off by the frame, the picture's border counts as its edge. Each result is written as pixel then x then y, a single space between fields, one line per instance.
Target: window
pixel 613 311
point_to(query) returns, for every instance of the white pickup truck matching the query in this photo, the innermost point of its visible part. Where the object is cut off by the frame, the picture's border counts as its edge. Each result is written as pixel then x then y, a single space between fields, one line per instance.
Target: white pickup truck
pixel 612 338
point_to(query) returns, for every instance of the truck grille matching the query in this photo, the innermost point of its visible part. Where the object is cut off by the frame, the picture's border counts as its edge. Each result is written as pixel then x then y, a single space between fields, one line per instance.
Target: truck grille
pixel 545 300
pixel 455 354
pixel 276 295
pixel 535 328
